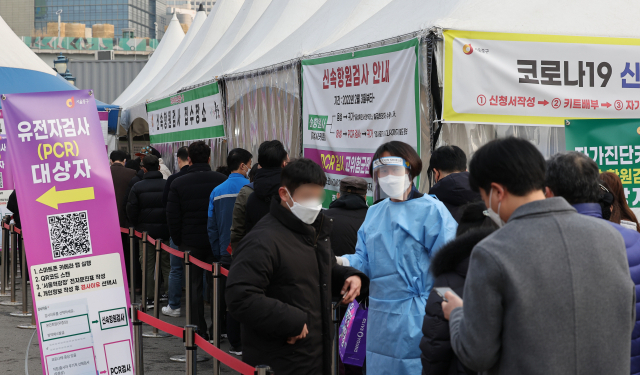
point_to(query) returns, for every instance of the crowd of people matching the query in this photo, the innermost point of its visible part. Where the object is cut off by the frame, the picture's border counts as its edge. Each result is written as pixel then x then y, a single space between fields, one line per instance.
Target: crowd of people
pixel 510 264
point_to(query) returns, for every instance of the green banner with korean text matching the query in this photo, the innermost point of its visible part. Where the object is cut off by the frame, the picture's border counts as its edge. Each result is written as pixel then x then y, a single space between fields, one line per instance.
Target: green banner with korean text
pixel 614 144
pixel 189 115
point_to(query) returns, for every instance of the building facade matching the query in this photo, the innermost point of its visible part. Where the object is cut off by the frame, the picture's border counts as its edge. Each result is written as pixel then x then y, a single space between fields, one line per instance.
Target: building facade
pixel 140 15
pixel 19 15
pixel 191 4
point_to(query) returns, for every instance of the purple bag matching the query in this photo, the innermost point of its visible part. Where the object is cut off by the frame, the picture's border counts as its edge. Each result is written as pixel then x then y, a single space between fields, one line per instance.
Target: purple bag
pixel 353 335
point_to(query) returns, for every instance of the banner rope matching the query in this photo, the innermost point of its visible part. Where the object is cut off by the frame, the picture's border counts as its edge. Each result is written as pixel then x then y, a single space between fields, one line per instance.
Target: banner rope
pixel 159 324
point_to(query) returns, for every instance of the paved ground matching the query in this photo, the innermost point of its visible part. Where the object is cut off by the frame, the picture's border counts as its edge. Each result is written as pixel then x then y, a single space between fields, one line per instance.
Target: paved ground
pixel 15 343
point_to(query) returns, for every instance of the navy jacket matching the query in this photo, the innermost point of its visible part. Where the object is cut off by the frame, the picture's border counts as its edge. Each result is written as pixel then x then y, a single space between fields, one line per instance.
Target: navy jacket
pixel 632 242
pixel 454 191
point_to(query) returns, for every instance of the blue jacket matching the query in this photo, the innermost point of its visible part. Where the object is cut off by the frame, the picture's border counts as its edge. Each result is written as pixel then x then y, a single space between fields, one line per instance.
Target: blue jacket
pixel 221 203
pixel 395 245
pixel 632 242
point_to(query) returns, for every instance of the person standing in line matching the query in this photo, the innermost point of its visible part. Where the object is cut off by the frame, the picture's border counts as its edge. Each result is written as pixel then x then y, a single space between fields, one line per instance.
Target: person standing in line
pixel 399 236
pixel 239 213
pixel 620 213
pixel 549 292
pixel 272 157
pixel 187 206
pixel 121 177
pixel 148 150
pixel 575 177
pixel 348 212
pixel 283 275
pixel 449 167
pixel 176 275
pixel 221 204
pixel 146 213
pixel 449 269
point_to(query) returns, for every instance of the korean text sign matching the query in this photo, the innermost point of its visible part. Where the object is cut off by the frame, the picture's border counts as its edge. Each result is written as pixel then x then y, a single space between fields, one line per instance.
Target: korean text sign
pixel 354 102
pixel 70 228
pixel 539 79
pixel 190 115
pixel 614 144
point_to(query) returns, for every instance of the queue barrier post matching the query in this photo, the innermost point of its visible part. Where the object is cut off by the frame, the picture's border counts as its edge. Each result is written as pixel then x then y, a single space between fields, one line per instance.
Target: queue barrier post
pixel 13 266
pixel 215 318
pixel 23 283
pixel 335 354
pixel 4 270
pixel 31 325
pixel 156 295
pixel 263 370
pixel 132 268
pixel 143 263
pixel 138 362
pixel 191 348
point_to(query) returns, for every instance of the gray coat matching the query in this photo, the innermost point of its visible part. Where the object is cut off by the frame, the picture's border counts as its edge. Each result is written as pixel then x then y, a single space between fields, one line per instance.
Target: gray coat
pixel 549 293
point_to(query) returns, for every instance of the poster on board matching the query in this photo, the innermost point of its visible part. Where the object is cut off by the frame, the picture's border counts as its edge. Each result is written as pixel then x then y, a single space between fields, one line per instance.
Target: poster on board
pixel 190 115
pixel 532 79
pixel 354 102
pixel 71 233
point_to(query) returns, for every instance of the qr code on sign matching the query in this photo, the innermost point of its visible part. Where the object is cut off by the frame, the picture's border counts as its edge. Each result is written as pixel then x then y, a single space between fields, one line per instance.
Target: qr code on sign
pixel 69 234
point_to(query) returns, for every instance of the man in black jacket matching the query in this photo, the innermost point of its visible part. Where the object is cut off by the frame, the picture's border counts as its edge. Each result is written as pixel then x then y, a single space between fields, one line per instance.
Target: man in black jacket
pixel 272 157
pixel 146 213
pixel 449 166
pixel 280 282
pixel 348 212
pixel 187 215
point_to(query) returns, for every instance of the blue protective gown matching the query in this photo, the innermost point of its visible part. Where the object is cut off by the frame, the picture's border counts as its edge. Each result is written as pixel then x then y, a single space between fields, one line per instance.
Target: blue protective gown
pixel 395 245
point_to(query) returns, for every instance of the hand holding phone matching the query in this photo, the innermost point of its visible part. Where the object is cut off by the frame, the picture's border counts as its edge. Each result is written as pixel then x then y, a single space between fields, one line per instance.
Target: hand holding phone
pixel 442 290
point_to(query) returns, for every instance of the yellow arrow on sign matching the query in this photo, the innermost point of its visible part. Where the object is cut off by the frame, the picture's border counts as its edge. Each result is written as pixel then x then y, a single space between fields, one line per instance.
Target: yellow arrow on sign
pixel 53 198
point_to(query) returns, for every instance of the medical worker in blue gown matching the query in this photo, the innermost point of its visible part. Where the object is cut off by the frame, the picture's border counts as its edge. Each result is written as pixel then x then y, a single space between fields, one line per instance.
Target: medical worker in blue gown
pixel 399 236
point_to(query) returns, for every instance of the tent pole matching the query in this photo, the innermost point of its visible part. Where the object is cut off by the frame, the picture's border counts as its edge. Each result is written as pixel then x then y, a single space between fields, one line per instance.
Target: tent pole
pixel 130 140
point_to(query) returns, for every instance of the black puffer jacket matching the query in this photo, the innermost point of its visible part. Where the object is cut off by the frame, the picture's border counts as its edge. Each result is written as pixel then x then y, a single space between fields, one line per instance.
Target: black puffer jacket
pixel 282 277
pixel 449 268
pixel 144 206
pixel 454 191
pixel 265 186
pixel 348 213
pixel 188 204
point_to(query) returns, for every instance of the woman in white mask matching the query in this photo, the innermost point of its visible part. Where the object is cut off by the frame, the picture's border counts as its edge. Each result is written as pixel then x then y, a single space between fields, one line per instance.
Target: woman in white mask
pixel 395 244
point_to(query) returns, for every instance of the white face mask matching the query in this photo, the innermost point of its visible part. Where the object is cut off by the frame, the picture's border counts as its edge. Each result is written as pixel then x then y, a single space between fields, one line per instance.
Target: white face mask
pixel 306 211
pixel 493 215
pixel 395 186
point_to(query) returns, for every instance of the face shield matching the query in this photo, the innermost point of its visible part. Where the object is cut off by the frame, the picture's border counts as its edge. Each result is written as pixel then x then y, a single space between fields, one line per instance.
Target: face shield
pixel 391 178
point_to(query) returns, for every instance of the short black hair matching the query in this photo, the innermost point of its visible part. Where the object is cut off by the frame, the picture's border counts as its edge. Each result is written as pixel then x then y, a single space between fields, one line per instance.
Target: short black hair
pixel 512 162
pixel 199 152
pixel 253 171
pixel 238 156
pixel 151 163
pixel 183 153
pixel 575 177
pixel 118 155
pixel 448 159
pixel 302 171
pixel 224 170
pixel 403 150
pixel 271 154
pixel 473 217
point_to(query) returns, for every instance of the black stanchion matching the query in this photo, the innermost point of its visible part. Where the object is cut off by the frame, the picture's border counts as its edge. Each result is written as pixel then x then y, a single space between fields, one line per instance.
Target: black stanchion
pixel 156 294
pixel 335 354
pixel 143 263
pixel 132 269
pixel 13 266
pixel 4 270
pixel 24 272
pixel 215 318
pixel 191 348
pixel 138 362
pixel 31 325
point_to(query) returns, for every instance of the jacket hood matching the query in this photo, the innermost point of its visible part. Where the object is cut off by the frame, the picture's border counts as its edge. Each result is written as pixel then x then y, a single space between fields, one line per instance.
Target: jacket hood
pixel 267 182
pixel 349 202
pixel 455 190
pixel 454 256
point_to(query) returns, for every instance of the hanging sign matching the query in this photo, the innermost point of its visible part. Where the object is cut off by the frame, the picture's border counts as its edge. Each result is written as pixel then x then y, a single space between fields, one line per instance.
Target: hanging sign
pixel 71 234
pixel 190 115
pixel 353 103
pixel 531 79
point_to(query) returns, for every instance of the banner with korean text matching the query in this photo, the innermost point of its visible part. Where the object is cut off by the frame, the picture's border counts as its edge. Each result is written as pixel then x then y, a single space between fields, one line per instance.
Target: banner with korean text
pixel 354 102
pixel 190 115
pixel 531 79
pixel 71 233
pixel 614 144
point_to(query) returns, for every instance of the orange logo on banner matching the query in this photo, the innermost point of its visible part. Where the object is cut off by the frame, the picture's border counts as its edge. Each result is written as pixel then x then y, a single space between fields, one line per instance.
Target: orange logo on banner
pixel 467 49
pixel 70 102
